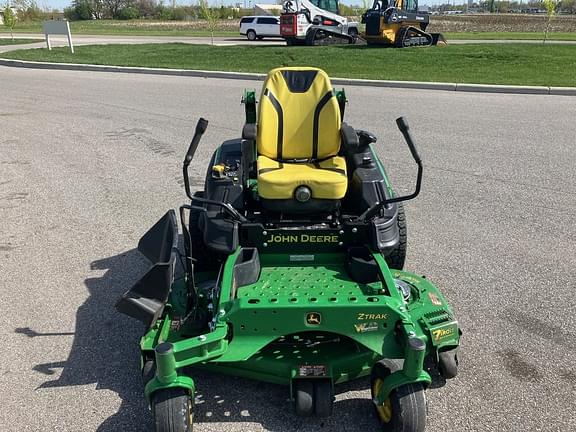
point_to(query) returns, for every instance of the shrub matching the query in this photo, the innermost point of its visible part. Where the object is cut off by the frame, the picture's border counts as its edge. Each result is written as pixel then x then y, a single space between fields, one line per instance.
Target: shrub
pixel 128 13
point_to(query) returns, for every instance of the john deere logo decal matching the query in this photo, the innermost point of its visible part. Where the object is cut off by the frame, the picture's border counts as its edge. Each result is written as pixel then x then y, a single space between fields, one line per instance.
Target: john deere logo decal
pixel 313 318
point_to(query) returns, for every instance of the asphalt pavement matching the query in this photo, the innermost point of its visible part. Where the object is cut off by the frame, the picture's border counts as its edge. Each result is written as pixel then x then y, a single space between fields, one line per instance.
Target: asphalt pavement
pixel 89 161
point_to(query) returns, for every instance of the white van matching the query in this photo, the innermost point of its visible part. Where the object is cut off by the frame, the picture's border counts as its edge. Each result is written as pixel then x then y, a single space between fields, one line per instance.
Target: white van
pixel 259 27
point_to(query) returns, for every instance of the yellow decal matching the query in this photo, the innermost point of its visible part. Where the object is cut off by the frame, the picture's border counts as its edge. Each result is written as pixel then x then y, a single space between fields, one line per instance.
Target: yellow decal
pixel 366 327
pixel 313 318
pixel 371 316
pixel 442 333
pixel 302 238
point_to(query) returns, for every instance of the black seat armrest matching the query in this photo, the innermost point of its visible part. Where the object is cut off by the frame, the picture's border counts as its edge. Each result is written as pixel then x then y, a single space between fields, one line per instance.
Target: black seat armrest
pixel 249 131
pixel 350 141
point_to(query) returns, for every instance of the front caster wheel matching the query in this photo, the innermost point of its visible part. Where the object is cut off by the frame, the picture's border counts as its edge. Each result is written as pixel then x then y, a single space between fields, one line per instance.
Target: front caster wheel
pixel 405 408
pixel 173 410
pixel 323 398
pixel 303 398
pixel 448 364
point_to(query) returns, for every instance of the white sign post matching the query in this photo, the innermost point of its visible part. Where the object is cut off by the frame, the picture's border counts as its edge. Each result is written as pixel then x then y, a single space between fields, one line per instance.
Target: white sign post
pixel 57 28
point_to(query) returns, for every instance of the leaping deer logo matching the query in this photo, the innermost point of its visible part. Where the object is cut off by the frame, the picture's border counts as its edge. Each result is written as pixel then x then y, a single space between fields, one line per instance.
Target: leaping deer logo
pixel 313 318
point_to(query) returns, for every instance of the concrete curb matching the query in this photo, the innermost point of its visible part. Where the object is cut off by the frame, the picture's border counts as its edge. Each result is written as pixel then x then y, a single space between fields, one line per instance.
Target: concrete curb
pixel 481 88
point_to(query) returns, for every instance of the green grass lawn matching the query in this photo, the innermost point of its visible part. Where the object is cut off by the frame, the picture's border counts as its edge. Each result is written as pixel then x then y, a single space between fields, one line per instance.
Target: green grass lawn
pixel 18 41
pixel 549 65
pixel 568 36
pixel 226 28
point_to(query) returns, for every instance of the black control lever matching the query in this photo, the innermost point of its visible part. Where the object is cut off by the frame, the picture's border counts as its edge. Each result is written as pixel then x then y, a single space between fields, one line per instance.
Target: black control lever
pixel 405 129
pixel 200 129
pixel 375 209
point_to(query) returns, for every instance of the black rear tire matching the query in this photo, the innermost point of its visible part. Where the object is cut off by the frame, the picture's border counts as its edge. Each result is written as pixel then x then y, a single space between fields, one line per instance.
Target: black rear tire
pixel 397 257
pixel 405 408
pixel 251 35
pixel 173 410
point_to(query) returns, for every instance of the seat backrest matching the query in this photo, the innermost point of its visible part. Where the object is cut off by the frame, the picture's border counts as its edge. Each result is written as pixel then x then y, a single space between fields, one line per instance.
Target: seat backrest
pixel 299 116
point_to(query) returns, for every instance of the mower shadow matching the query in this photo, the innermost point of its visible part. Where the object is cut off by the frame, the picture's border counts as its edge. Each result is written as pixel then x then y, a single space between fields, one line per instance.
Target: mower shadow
pixel 105 352
pixel 105 347
pixel 225 399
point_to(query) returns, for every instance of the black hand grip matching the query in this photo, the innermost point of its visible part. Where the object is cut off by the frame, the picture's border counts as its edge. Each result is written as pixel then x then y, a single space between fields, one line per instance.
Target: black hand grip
pixel 200 129
pixel 405 129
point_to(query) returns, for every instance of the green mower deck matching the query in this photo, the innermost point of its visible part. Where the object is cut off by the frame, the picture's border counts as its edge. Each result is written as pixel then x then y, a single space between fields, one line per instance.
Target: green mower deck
pixel 309 321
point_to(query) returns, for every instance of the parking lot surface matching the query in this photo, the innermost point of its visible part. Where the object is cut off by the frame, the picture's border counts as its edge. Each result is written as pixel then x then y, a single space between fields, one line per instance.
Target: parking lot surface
pixel 89 161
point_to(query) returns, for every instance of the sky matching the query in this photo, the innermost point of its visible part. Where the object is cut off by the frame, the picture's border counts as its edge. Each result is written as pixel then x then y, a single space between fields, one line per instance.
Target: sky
pixel 60 4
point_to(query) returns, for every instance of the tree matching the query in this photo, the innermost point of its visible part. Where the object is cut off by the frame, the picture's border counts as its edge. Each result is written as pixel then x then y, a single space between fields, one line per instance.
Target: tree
pixel 568 6
pixel 550 6
pixel 10 20
pixel 28 10
pixel 211 17
pixel 113 7
pixel 147 8
pixel 83 9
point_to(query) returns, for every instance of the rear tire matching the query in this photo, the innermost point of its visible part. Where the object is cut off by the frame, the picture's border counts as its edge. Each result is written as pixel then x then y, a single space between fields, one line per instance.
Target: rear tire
pixel 251 35
pixel 173 410
pixel 397 257
pixel 405 408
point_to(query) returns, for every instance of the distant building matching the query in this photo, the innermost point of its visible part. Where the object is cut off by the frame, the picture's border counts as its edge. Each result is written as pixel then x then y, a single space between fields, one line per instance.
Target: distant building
pixel 267 9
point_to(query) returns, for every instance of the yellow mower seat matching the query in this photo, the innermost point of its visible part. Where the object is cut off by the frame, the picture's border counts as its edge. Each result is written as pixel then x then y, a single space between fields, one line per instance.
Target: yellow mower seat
pixel 278 180
pixel 298 136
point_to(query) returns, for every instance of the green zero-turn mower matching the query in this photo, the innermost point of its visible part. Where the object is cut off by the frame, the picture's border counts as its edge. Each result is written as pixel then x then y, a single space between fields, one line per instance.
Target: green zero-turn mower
pixel 293 257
